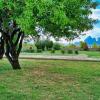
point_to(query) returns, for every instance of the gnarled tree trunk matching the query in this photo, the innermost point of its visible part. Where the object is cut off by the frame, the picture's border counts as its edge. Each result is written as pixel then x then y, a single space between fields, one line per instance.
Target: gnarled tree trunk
pixel 12 38
pixel 13 47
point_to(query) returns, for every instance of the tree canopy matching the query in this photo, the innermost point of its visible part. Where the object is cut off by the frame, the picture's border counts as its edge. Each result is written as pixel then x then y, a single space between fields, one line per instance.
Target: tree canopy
pixel 59 17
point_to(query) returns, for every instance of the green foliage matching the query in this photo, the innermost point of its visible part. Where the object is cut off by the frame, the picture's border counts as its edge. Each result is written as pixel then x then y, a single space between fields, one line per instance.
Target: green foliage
pixel 53 51
pixel 39 50
pixel 62 17
pixel 76 52
pixel 95 46
pixel 28 48
pixel 48 44
pixel 72 46
pixel 56 46
pixel 10 10
pixel 63 51
pixel 59 17
pixel 70 51
pixel 84 46
pixel 40 44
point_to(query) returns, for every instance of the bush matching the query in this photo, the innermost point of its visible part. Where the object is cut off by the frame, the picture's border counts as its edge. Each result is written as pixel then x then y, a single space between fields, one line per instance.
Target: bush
pixel 84 46
pixel 98 48
pixel 72 46
pixel 39 50
pixel 76 52
pixel 56 46
pixel 52 51
pixel 31 50
pixel 28 48
pixel 95 46
pixel 70 52
pixel 40 45
pixel 63 51
pixel 48 44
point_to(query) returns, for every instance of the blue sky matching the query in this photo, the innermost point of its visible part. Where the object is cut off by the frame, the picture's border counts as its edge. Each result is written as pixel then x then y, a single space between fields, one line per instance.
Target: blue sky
pixel 95 32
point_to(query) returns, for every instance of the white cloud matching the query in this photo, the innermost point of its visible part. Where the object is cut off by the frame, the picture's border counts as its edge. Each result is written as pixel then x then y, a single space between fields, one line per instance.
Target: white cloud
pixel 95 33
pixel 95 14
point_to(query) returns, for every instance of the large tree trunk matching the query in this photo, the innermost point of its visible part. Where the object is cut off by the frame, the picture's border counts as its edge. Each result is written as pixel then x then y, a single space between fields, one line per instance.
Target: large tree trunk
pixel 12 38
pixel 12 56
pixel 14 63
pixel 13 49
pixel 1 47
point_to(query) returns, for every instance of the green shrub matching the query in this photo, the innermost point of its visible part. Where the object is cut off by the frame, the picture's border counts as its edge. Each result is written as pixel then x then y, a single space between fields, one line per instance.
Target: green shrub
pixel 95 46
pixel 56 46
pixel 39 50
pixel 62 51
pixel 72 46
pixel 76 52
pixel 28 48
pixel 70 51
pixel 48 44
pixel 98 48
pixel 29 51
pixel 52 51
pixel 84 46
pixel 40 45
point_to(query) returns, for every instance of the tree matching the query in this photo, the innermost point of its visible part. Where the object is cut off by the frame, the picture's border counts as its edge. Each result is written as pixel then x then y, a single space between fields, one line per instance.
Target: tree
pixel 40 45
pixel 11 34
pixel 49 44
pixel 66 18
pixel 84 46
pixel 61 18
pixel 95 46
pixel 56 46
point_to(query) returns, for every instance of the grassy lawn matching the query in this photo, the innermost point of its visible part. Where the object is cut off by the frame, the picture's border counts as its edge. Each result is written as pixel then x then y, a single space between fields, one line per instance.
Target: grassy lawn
pixel 95 54
pixel 57 53
pixel 50 80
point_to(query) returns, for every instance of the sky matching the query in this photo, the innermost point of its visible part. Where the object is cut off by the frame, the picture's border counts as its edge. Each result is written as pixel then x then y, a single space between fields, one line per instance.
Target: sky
pixel 95 32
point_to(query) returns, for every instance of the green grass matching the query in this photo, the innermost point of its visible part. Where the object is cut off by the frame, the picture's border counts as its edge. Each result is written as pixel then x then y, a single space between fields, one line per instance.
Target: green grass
pixel 48 53
pixel 50 80
pixel 95 54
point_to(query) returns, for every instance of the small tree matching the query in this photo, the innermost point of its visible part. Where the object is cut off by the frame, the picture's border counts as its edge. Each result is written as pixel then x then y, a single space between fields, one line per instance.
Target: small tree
pixel 56 46
pixel 72 46
pixel 94 46
pixel 48 44
pixel 40 45
pixel 84 46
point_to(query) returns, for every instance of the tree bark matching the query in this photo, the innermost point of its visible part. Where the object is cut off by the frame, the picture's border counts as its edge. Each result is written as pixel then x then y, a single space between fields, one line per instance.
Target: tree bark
pixel 14 63
pixel 1 47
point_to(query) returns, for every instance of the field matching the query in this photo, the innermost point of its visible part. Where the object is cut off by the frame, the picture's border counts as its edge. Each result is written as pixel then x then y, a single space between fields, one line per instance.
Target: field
pixel 50 80
pixel 93 54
